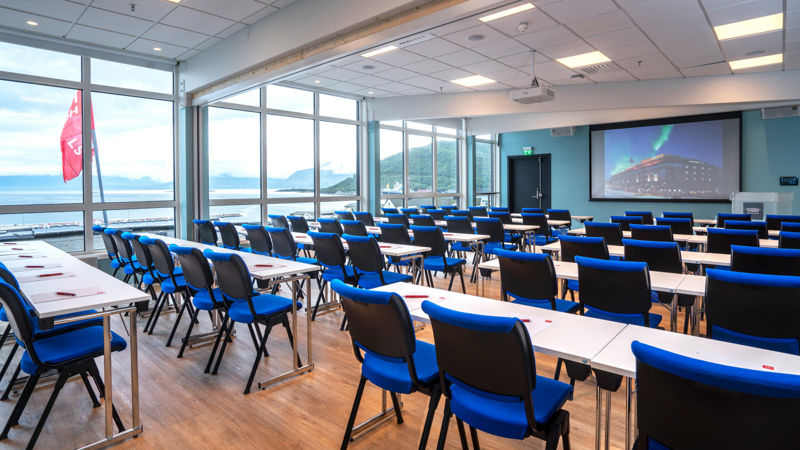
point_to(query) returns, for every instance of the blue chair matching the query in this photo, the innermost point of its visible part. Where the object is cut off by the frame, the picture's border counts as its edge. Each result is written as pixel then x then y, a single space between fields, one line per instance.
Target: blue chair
pixel 461 225
pixel 436 259
pixel 364 216
pixel 448 208
pixel 423 220
pixel 478 211
pixel 125 254
pixel 661 233
pixel 247 307
pixel 400 219
pixel 461 213
pixel 409 211
pixel 437 214
pixel 382 334
pixel 626 221
pixel 328 225
pixel 171 281
pixel 543 235
pixel 260 243
pixel 345 215
pixel 390 211
pixel 333 260
pixel 561 214
pixel 647 216
pixel 721 239
pixel 678 215
pixel 279 221
pixel 230 236
pixel 366 257
pixel 754 309
pixel 504 216
pixel 710 405
pixel 497 238
pixel 395 233
pixel 530 279
pixel 133 267
pixel 498 209
pixel 205 231
pixel 354 227
pixel 67 352
pixel 612 232
pixel 489 379
pixel 150 277
pixel 532 210
pixel 572 246
pixel 111 250
pixel 722 217
pixel 284 247
pixel 759 226
pixel 773 261
pixel 774 221
pixel 789 239
pixel 679 225
pixel 298 224
pixel 426 208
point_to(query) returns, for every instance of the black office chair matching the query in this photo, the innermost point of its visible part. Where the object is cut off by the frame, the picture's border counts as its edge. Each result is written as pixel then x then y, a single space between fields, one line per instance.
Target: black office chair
pixel 759 226
pixel 437 214
pixel 612 232
pixel 647 216
pixel 333 259
pixel 423 220
pixel 661 233
pixel 478 211
pixel 626 221
pixel 345 215
pixel 259 239
pixel 461 213
pixel 721 239
pixel 394 233
pixel 679 215
pixel 111 250
pixel 366 217
pixel 774 221
pixel 390 211
pixel 543 234
pixel 205 231
pixel 572 246
pixel 299 224
pixel 436 259
pixel 722 217
pixel 279 221
pixel 530 279
pixel 284 246
pixel 774 261
pixel 679 225
pixel 561 214
pixel 409 211
pixel 789 239
pixel 504 216
pixel 532 211
pixel 366 257
pixel 172 281
pixel 327 225
pixel 400 219
pixel 230 236
pixel 353 227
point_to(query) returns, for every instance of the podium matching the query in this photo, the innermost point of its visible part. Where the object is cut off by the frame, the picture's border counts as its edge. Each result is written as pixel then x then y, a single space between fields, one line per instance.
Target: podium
pixel 759 204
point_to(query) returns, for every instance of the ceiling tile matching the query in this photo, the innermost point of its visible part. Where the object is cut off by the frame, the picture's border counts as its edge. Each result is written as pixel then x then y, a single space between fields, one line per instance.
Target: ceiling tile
pixel 142 45
pixel 188 54
pixel 397 74
pixel 461 37
pixel 521 82
pixel 346 87
pixel 744 11
pixel 433 48
pixel 451 74
pixel 16 19
pixel 569 80
pixel 340 74
pixel 196 20
pixel 456 26
pixel 177 36
pixel 628 51
pixel 793 18
pixel 55 9
pixel 660 10
pixel 208 43
pixel 721 68
pixel 268 11
pixel 520 59
pixel 425 82
pixel 369 80
pixel 396 87
pixel 619 38
pixel 767 43
pixel 152 10
pixel 490 87
pixel 604 23
pixel 535 19
pixel 397 57
pixel 670 28
pixel 610 77
pixel 417 91
pixel 119 23
pixel 280 4
pixel 376 66
pixel 505 74
pixel 501 48
pixel 427 66
pixel 229 9
pixel 372 92
pixel 569 11
pixel 462 58
pixel 644 64
pixel 694 55
pixel 451 88
pixel 667 72
pixel 93 35
pixel 545 38
pixel 317 81
pixel 792 61
pixel 568 49
pixel 484 67
pixel 793 34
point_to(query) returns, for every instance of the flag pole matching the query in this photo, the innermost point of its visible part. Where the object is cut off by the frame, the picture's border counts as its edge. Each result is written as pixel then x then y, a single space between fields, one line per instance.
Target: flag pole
pixel 99 175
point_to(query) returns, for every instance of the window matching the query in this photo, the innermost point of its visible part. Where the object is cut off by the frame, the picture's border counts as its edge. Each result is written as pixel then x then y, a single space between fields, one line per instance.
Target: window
pixel 234 153
pixel 290 157
pixel 288 99
pixel 237 214
pixel 391 162
pixel 292 209
pixel 420 163
pixel 343 108
pixel 485 167
pixel 60 229
pixel 446 165
pixel 248 98
pixel 419 201
pixel 329 208
pixel 116 74
pixel 35 61
pixel 146 220
pixel 338 153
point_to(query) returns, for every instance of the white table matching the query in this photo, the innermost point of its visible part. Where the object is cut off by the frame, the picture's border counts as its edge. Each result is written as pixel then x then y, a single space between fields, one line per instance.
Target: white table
pixel 111 293
pixel 711 222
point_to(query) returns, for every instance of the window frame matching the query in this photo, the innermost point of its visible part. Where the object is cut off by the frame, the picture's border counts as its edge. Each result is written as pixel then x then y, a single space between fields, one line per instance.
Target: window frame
pixel 494 194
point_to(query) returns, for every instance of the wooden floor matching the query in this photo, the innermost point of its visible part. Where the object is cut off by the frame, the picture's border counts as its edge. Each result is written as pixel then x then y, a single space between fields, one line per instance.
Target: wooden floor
pixel 182 407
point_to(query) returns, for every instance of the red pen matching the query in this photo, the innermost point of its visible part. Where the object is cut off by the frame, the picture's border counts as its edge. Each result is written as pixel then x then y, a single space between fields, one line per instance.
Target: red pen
pixel 385 246
pixel 66 293
pixel 549 321
pixel 416 296
pixel 17 248
pixel 768 367
pixel 34 267
pixel 25 256
pixel 9 243
pixel 263 265
pixel 525 320
pixel 50 274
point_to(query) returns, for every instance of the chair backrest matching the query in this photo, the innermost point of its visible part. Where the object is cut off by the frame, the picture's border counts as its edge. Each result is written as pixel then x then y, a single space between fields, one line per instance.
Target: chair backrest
pixel 478 211
pixel 379 324
pixel 753 309
pixel 721 239
pixel 7 277
pixel 679 225
pixel 423 220
pixel 162 258
pixel 626 221
pixel 259 239
pixel 283 245
pixel 485 353
pixel 390 211
pixel 426 208
pixel 459 224
pixel 394 233
pixel 108 241
pixel 19 318
pixel 504 216
pixel 299 224
pixel 491 226
pixel 437 214
pixel 401 219
pixel 527 275
pixel 537 219
pixel 328 225
pixel 560 214
pixel 621 287
pixel 499 208
pixel 345 215
pixel 409 211
pixel 448 208
pixel 233 276
pixel 659 255
pixel 206 232
pixel 124 250
pixel 229 235
pixel 365 253
pixel 366 217
pixel 196 270
pixel 279 221
pixel 532 210
pixel 430 237
pixel 711 405
pixel 328 249
pixel 647 216
pixel 143 256
pixel 759 226
pixel 651 232
pixel 722 217
pixel 775 261
pixel 789 239
pixel 572 246
pixel 611 231
pixel 678 215
pixel 774 221
pixel 354 227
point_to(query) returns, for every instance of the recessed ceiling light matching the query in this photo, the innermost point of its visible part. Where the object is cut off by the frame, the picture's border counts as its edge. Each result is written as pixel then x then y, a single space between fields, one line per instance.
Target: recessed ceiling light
pixel 583 59
pixel 158 49
pixel 32 23
pixel 756 62
pixel 174 1
pixel 749 27
pixel 474 80
pixel 368 67
pixel 317 81
pixel 379 51
pixel 370 92
pixel 475 37
pixel 507 12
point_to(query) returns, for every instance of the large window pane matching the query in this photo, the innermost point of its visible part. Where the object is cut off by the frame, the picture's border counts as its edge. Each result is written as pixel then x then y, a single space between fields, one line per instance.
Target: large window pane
pixel 445 130
pixel 151 220
pixel 237 214
pixel 32 120
pixel 249 98
pixel 35 61
pixel 61 229
pixel 290 157
pixel 446 201
pixel 393 123
pixel 419 126
pixel 412 202
pixel 391 165
pixel 234 154
pixel 446 165
pixel 292 209
pixel 132 77
pixel 420 163
pixel 343 108
pixel 483 167
pixel 338 154
pixel 134 144
pixel 288 99
pixel 329 208
pixel 391 203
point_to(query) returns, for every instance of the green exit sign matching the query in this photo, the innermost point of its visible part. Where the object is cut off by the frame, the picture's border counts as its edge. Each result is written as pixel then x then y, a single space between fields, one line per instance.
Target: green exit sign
pixel 527 151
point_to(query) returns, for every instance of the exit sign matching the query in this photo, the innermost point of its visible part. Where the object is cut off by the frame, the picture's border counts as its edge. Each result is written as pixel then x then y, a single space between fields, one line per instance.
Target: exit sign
pixel 527 151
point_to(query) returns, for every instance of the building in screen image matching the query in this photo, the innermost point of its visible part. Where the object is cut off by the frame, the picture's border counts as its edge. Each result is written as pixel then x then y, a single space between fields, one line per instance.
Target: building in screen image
pixel 668 176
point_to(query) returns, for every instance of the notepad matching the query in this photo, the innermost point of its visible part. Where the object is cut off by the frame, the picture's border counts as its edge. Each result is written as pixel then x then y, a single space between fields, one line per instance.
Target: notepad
pixel 28 267
pixel 44 277
pixel 62 295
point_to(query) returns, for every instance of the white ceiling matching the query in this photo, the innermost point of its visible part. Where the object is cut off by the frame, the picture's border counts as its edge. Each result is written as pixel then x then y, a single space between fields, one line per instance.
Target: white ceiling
pixel 645 39
pixel 179 30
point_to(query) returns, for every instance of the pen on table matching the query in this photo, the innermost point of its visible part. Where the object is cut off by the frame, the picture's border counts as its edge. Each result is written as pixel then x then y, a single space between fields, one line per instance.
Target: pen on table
pixel 416 296
pixel 50 274
pixel 66 293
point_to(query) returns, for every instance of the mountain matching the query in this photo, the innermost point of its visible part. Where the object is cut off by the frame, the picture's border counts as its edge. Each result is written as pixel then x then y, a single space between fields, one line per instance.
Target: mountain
pixel 56 182
pixel 420 172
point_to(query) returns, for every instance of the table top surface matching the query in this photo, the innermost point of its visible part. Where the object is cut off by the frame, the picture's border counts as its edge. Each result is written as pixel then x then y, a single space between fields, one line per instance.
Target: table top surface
pixel 716 259
pixel 386 248
pixel 459 237
pixel 93 288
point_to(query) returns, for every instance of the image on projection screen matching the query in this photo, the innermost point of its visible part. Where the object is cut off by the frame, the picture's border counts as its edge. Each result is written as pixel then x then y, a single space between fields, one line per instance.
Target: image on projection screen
pixel 691 160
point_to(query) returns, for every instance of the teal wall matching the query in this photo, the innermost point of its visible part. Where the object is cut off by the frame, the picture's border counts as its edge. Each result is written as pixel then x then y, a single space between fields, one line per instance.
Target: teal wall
pixel 770 148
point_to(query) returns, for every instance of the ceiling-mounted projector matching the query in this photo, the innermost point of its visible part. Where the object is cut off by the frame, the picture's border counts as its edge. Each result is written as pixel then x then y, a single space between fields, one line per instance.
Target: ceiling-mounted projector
pixel 536 94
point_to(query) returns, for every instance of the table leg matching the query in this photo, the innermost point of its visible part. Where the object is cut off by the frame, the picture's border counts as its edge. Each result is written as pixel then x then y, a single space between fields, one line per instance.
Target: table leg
pixel 608 417
pixel 627 413
pixel 597 417
pixel 308 321
pixel 109 403
pixel 134 346
pixel 673 313
pixel 294 320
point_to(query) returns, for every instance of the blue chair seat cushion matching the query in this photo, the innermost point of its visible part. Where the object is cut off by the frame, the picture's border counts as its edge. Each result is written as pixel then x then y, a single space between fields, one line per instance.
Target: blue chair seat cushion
pixel 561 305
pixel 304 260
pixel 572 285
pixel 169 287
pixel 149 279
pixel 503 415
pixel 630 319
pixel 337 273
pixel 114 263
pixel 392 374
pixel 202 299
pixel 265 305
pixel 492 246
pixel 68 346
pixel 461 247
pixel 437 263
pixel 373 280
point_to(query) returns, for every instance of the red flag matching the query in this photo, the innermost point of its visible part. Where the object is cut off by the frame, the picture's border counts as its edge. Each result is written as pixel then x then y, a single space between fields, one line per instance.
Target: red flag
pixel 72 140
